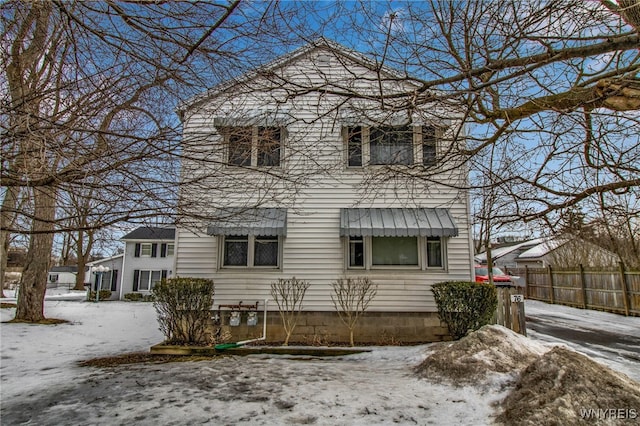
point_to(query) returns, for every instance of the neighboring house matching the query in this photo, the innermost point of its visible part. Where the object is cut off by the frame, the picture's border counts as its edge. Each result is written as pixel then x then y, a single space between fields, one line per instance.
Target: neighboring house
pixel 284 186
pixel 555 252
pixel 62 276
pixel 109 280
pixel 566 252
pixel 506 256
pixel 148 257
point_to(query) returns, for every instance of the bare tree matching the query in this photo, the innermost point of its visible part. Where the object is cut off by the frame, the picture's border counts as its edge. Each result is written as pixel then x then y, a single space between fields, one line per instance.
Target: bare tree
pixel 552 85
pixel 90 89
pixel 288 295
pixel 351 297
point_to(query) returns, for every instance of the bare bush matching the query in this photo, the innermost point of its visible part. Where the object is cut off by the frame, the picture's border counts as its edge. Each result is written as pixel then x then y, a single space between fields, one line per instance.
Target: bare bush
pixel 288 295
pixel 351 297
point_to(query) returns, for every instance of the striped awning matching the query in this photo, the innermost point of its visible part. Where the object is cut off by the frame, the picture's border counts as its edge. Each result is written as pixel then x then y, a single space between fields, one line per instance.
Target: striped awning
pixel 249 221
pixel 397 222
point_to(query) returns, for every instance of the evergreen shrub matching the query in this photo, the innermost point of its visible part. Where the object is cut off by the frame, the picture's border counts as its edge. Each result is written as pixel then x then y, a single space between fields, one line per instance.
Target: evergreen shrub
pixel 465 306
pixel 184 309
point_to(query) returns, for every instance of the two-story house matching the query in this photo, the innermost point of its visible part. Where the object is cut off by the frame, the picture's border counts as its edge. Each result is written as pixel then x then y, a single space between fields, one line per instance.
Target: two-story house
pixel 148 257
pixel 286 175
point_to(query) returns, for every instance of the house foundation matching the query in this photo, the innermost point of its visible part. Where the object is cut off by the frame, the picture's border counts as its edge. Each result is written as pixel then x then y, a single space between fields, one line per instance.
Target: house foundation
pixel 326 328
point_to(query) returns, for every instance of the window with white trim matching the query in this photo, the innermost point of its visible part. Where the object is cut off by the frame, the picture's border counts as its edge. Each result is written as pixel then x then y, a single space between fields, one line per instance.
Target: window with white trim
pixel 247 251
pixel 391 145
pixel 146 249
pixel 396 252
pixel 259 146
pixel 145 280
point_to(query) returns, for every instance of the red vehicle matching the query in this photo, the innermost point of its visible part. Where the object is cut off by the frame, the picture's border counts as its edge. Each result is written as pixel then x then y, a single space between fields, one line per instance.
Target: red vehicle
pixel 482 275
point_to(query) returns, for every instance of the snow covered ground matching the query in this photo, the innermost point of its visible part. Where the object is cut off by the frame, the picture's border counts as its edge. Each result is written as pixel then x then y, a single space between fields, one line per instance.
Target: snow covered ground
pixel 42 384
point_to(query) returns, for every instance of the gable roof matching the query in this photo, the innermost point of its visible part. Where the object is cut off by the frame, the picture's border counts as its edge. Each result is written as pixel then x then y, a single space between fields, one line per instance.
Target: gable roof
pixel 151 233
pixel 321 43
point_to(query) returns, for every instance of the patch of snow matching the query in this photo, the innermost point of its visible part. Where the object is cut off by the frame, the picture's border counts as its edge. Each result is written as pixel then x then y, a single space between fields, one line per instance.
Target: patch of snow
pixel 42 383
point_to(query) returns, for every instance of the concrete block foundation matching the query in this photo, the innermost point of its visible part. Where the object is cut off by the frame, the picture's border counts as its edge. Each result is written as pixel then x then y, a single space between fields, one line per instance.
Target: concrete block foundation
pixel 326 328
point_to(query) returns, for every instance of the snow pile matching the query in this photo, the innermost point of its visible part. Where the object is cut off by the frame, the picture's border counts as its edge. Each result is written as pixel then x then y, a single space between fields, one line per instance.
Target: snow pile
pixel 572 389
pixel 472 359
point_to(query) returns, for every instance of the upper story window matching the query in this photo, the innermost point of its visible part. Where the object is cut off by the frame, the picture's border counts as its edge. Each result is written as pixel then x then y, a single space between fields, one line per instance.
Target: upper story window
pixel 146 249
pixel 389 145
pixel 153 249
pixel 254 145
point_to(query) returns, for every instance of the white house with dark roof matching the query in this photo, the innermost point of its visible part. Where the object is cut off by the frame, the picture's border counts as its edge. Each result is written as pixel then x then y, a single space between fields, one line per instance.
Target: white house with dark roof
pixel 282 185
pixel 148 257
pixel 111 279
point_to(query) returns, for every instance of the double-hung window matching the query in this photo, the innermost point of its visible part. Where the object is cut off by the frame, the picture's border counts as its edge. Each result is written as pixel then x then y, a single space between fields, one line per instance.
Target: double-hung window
pixel 145 280
pixel 396 252
pixel 391 145
pixel 251 251
pixel 146 249
pixel 254 146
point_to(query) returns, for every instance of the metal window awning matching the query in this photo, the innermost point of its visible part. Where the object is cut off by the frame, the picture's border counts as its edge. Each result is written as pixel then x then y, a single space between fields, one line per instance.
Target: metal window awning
pixel 397 222
pixel 249 221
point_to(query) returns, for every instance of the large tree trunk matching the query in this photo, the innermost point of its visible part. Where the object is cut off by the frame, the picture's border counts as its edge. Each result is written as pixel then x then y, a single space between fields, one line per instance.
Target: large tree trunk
pixel 34 278
pixel 9 203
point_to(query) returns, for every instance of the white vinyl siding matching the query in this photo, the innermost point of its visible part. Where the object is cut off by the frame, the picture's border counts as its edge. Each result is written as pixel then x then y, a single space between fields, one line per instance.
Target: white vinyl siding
pixel 312 249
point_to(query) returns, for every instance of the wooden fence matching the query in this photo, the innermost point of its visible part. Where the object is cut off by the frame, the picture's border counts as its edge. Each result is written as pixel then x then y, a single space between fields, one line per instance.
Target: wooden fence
pixel 613 289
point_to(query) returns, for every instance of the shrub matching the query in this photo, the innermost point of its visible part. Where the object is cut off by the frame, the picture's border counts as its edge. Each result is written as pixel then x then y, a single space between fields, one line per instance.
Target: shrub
pixel 183 306
pixel 104 295
pixel 138 297
pixel 133 297
pixel 351 297
pixel 288 294
pixel 465 306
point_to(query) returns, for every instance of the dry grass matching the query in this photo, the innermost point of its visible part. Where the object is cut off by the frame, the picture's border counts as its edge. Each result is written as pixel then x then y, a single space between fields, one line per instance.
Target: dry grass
pixel 139 358
pixel 45 321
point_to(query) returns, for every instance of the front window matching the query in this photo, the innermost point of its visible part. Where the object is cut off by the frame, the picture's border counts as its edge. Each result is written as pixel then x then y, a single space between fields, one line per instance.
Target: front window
pixel 170 249
pixel 148 279
pixel 53 278
pixel 394 251
pixel 240 141
pixel 249 251
pixel 236 250
pixel 268 146
pixel 391 145
pixel 253 146
pixel 428 145
pixel 354 146
pixel 434 252
pixel 356 252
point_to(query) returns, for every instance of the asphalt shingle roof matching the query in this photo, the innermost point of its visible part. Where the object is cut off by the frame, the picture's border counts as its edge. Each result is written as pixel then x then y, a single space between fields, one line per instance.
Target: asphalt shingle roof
pixel 151 233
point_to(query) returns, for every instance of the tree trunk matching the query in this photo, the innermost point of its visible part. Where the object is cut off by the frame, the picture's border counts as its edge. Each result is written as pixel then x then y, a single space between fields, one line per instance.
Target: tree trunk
pixel 34 278
pixel 82 256
pixel 9 204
